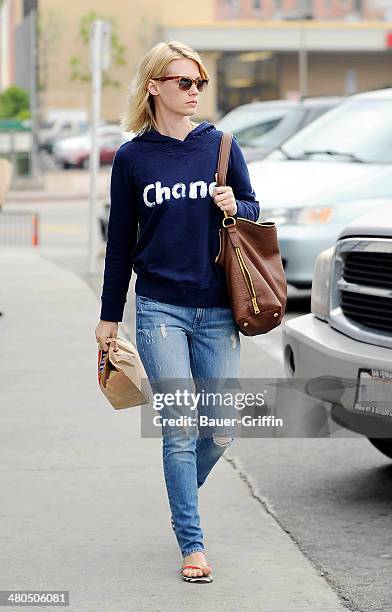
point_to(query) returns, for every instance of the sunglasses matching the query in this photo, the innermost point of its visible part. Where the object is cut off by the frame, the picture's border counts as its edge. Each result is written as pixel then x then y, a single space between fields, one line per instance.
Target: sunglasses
pixel 185 83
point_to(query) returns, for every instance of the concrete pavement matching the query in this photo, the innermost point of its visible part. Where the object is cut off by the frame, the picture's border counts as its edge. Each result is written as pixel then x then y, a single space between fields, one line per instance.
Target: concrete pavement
pixel 84 502
pixel 64 185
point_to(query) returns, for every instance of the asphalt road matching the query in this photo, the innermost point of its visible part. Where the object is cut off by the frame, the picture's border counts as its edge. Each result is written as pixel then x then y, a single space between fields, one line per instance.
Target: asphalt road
pixel 332 495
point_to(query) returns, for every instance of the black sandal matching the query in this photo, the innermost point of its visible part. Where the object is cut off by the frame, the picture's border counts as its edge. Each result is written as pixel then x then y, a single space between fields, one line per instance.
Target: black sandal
pixel 203 578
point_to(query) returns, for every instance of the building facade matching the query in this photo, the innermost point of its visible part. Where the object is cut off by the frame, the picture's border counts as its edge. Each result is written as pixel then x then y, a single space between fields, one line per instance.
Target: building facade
pixel 10 15
pixel 250 47
pixel 346 10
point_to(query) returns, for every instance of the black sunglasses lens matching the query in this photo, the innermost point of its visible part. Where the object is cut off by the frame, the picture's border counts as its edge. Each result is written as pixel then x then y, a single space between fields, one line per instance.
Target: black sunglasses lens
pixel 185 84
pixel 201 84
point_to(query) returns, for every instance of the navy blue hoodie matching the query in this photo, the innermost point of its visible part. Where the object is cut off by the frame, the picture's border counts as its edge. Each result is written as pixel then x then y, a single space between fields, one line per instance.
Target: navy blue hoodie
pixel 163 220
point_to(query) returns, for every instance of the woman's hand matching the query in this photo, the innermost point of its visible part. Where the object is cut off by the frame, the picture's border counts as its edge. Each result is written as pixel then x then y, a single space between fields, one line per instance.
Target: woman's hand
pixel 224 198
pixel 106 333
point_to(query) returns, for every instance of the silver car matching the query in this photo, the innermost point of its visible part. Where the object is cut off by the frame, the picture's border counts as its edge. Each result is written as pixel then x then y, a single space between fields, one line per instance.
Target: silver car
pixel 260 127
pixel 341 352
pixel 331 171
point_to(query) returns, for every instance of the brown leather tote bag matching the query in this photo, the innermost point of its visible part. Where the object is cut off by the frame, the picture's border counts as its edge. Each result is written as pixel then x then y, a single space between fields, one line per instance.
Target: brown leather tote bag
pixel 250 255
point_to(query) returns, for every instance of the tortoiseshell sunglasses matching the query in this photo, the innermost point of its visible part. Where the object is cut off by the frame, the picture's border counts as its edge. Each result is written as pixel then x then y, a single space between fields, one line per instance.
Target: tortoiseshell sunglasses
pixel 185 83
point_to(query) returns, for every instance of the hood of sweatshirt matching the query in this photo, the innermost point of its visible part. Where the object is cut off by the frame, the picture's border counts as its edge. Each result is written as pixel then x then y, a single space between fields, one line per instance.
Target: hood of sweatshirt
pixel 200 137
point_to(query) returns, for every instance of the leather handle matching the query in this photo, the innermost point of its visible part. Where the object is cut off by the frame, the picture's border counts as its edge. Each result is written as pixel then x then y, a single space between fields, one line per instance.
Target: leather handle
pixel 223 160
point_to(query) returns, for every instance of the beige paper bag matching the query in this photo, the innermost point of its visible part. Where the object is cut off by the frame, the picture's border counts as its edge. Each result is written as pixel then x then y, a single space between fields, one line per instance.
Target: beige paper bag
pixel 122 377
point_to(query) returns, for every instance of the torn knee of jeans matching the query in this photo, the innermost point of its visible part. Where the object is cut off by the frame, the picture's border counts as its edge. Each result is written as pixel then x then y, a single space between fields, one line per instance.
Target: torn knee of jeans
pixel 222 440
pixel 233 339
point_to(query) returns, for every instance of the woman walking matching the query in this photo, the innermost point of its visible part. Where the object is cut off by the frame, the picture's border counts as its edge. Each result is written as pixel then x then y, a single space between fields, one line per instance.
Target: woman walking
pixel 165 215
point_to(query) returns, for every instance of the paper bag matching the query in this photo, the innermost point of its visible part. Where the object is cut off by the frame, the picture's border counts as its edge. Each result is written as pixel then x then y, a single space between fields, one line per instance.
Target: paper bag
pixel 121 376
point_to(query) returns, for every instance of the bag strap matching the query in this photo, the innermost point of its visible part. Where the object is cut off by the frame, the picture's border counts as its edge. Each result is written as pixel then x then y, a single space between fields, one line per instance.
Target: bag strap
pixel 224 154
pixel 223 160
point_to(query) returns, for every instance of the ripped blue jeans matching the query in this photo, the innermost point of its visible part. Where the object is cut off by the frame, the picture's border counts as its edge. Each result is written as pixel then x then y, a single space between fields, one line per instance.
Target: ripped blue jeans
pixel 189 344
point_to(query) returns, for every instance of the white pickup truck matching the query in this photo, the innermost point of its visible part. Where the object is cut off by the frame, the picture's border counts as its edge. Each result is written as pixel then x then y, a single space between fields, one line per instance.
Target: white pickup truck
pixel 341 352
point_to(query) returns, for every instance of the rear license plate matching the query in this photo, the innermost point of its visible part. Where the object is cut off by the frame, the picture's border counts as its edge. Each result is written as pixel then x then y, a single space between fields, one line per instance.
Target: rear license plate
pixel 373 393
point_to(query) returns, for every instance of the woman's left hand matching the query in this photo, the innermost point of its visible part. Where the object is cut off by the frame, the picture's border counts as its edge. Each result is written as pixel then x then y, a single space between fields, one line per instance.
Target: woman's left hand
pixel 224 198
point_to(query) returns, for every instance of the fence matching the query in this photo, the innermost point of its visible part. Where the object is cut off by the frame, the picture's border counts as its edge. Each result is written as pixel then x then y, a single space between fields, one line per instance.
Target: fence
pixel 19 228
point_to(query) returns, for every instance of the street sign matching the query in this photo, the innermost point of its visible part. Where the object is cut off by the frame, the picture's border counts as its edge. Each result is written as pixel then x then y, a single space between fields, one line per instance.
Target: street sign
pixel 100 58
pixel 106 45
pixel 100 45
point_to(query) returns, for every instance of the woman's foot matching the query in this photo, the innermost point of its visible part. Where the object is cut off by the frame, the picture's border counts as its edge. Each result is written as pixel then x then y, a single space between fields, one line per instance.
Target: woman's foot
pixel 196 558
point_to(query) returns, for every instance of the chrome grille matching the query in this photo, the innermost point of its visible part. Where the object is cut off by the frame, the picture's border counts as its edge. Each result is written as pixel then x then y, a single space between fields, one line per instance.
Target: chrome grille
pixel 361 289
pixel 370 310
pixel 372 269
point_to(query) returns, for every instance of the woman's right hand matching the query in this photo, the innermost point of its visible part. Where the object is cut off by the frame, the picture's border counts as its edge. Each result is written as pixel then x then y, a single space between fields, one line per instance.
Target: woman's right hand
pixel 106 333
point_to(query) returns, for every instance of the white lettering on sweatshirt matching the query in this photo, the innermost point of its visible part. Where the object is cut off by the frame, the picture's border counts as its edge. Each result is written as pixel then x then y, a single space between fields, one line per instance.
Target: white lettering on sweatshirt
pixel 179 190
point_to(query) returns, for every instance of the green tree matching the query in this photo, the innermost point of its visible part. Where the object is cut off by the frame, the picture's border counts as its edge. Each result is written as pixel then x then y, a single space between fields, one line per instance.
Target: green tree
pixel 14 103
pixel 78 65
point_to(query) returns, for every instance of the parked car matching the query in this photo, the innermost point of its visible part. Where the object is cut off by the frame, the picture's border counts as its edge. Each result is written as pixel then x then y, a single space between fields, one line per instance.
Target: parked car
pixel 331 171
pixel 260 127
pixel 61 123
pixel 75 152
pixel 341 352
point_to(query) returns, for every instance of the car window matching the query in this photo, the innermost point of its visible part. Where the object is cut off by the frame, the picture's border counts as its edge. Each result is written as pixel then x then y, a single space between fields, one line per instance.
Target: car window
pixel 246 116
pixel 360 128
pixel 313 113
pixel 251 135
pixel 287 126
pixel 261 127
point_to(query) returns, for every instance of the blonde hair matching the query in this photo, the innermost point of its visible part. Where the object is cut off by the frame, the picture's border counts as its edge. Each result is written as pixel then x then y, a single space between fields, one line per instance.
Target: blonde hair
pixel 140 109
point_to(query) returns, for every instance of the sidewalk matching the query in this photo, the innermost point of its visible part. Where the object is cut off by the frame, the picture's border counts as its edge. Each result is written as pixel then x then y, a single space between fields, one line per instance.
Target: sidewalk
pixel 84 503
pixel 64 185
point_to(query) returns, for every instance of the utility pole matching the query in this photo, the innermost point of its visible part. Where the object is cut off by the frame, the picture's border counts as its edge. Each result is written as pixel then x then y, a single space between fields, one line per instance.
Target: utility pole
pixel 35 167
pixel 100 47
pixel 302 52
pixel 303 61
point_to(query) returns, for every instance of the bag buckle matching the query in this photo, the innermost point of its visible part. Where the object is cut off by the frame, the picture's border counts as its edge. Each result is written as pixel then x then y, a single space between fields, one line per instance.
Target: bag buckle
pixel 232 219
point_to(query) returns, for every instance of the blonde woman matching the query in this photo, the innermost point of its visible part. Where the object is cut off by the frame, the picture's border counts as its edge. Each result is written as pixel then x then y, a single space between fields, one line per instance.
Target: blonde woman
pixel 165 215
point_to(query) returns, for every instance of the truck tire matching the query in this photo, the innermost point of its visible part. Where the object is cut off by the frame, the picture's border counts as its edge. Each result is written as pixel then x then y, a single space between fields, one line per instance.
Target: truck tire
pixel 384 445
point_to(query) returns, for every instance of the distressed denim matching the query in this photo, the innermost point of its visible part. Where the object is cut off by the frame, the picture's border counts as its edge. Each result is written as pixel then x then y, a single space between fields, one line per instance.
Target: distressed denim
pixel 188 344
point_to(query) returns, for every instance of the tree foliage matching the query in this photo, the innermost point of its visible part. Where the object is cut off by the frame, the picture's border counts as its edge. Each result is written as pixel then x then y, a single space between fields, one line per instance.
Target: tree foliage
pixel 14 103
pixel 79 66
